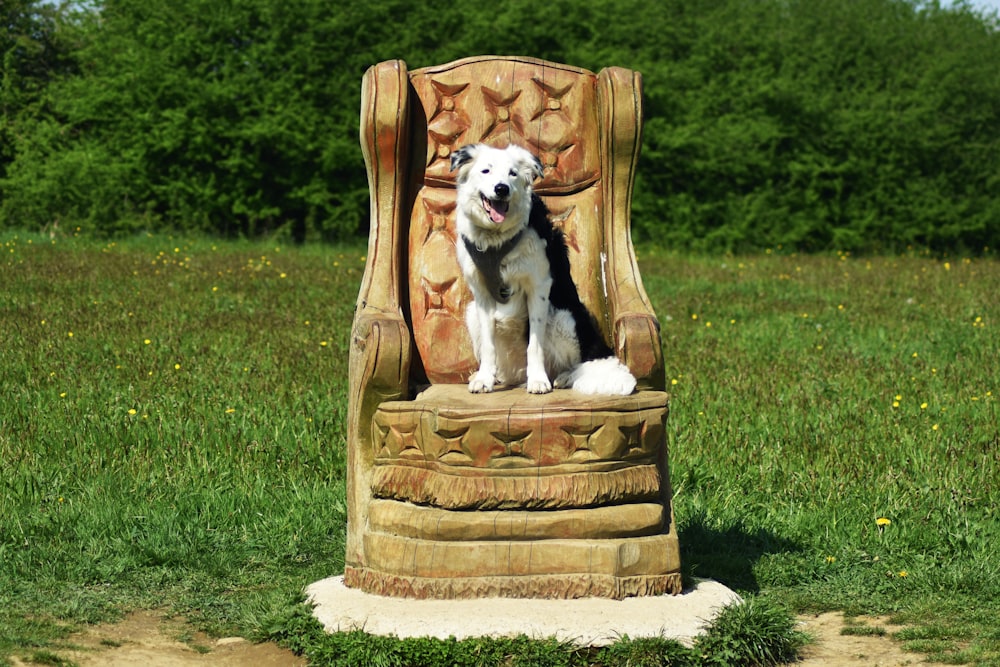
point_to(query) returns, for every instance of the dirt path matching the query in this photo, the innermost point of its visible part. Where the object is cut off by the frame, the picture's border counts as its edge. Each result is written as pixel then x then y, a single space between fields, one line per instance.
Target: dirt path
pixel 833 649
pixel 147 639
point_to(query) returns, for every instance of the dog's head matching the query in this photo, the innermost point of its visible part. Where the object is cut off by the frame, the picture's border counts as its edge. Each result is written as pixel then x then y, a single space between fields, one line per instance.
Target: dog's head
pixel 494 184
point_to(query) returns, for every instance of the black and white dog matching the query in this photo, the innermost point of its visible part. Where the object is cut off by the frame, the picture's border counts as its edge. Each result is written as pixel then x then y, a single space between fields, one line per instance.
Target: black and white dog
pixel 517 267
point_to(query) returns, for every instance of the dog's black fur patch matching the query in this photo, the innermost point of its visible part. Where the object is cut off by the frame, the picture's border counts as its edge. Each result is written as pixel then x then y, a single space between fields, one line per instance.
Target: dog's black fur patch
pixel 564 293
pixel 488 262
pixel 461 156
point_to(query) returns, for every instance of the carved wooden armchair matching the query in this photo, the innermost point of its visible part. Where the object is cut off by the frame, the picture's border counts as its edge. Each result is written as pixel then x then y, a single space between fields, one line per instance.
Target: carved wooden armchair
pixel 452 494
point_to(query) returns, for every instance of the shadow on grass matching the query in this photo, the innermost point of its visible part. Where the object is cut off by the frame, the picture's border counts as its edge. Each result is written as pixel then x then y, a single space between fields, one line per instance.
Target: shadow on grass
pixel 727 555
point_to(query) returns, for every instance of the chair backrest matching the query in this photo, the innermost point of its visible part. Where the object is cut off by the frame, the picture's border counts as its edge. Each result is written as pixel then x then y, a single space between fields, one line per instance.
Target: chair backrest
pixel 552 110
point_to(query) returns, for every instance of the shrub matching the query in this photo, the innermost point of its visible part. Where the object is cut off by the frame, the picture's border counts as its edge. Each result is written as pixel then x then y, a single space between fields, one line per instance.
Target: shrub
pixel 853 124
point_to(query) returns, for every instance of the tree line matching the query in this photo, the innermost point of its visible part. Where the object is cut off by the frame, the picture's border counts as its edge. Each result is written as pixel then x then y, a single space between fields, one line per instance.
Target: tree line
pixel 863 125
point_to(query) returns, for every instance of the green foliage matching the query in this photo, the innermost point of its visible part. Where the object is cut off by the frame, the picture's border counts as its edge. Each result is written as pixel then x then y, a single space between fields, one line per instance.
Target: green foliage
pixel 649 652
pixel 851 125
pixel 854 124
pixel 198 115
pixel 756 632
pixel 31 55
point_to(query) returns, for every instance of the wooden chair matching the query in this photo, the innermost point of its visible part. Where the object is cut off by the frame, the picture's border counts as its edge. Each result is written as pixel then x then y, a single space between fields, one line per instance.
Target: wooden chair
pixel 455 495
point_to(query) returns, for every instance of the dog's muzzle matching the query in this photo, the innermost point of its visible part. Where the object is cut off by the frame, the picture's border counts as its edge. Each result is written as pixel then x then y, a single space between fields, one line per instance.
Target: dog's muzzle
pixel 497 207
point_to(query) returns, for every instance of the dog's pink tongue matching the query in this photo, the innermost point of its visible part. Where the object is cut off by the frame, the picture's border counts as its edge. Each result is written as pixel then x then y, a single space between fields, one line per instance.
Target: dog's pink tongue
pixel 497 210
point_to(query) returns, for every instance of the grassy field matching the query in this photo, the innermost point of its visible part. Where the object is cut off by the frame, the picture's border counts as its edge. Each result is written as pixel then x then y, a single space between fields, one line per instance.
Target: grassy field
pixel 172 436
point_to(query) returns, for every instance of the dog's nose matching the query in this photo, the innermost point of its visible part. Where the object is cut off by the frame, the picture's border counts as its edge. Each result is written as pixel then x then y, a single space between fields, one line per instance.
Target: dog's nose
pixel 501 189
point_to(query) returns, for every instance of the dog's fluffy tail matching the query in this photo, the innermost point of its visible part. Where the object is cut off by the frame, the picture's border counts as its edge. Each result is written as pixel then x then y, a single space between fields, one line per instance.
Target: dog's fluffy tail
pixel 599 376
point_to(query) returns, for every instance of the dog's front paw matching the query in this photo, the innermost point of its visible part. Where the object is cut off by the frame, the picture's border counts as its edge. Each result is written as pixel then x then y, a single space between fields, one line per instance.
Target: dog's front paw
pixel 481 383
pixel 539 386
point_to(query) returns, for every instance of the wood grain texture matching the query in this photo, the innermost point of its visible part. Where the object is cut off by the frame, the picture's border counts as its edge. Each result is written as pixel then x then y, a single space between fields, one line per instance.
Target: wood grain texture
pixel 455 495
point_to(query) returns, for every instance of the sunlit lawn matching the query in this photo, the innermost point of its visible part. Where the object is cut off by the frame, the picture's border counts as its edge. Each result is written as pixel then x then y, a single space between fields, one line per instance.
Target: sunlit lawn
pixel 172 432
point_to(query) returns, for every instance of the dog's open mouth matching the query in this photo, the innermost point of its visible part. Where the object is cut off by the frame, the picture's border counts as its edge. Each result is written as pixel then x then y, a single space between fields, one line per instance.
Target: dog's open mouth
pixel 496 208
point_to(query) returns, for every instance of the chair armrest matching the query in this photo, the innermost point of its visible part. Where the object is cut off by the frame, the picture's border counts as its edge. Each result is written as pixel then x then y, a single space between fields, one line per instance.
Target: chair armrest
pixel 634 327
pixel 637 344
pixel 380 359
pixel 379 371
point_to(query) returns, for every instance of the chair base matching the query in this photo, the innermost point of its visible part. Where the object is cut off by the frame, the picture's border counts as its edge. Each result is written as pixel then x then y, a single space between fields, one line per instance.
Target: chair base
pixel 515 495
pixel 543 586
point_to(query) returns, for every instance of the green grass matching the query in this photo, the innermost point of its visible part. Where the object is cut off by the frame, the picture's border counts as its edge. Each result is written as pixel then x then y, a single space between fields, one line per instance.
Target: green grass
pixel 815 395
pixel 171 430
pixel 184 447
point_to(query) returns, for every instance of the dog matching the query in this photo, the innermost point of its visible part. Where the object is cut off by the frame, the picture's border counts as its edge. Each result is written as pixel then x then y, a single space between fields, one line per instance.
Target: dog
pixel 526 320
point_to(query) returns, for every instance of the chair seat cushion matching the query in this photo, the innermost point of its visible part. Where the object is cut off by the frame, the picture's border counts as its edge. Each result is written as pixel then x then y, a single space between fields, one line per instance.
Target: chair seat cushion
pixel 514 450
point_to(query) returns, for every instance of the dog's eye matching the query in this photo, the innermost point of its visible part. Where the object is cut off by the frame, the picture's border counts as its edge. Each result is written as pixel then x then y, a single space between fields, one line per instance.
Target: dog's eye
pixel 513 173
pixel 486 171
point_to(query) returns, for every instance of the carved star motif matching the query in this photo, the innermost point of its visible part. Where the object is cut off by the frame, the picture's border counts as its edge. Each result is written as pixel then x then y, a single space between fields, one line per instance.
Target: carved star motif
pixel 452 445
pixel 550 150
pixel 438 219
pixel 513 443
pixel 552 94
pixel 445 94
pixel 580 437
pixel 633 439
pixel 447 123
pixel 402 441
pixel 499 107
pixel 453 440
pixel 436 297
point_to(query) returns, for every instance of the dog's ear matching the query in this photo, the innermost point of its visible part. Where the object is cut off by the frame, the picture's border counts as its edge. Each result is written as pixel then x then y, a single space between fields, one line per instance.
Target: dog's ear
pixel 528 164
pixel 463 155
pixel 537 170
